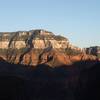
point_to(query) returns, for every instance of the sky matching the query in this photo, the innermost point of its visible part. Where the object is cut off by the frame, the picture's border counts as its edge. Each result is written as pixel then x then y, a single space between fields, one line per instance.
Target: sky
pixel 78 20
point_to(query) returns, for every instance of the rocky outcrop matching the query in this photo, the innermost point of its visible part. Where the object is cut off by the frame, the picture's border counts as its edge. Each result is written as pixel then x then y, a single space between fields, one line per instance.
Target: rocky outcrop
pixel 82 57
pixel 38 47
pixel 34 39
pixel 94 50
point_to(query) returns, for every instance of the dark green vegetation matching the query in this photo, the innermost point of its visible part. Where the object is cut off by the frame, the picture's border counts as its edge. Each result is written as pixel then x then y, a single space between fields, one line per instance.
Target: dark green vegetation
pixel 98 55
pixel 81 81
pixel 3 51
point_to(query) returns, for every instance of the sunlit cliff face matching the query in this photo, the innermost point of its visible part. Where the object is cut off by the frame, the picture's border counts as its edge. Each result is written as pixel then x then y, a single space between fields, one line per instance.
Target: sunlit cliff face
pixel 35 38
pixel 35 47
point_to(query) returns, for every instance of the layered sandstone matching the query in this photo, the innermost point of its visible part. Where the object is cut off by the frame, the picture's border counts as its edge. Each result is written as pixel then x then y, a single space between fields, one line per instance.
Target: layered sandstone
pixel 38 47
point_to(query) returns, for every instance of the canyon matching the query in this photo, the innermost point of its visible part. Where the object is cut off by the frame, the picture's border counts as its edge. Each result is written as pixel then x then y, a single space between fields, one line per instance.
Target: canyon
pixel 39 47
pixel 39 65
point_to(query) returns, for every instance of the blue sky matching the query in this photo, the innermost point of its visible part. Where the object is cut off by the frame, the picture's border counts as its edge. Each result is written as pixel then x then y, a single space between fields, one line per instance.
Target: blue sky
pixel 78 20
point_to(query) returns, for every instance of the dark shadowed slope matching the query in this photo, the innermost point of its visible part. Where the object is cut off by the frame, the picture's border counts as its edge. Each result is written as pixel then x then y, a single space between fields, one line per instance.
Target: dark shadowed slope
pixel 77 82
pixel 89 83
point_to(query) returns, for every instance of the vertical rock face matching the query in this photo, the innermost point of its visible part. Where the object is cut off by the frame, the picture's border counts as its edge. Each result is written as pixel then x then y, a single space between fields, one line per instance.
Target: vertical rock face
pixel 95 50
pixel 34 38
pixel 34 47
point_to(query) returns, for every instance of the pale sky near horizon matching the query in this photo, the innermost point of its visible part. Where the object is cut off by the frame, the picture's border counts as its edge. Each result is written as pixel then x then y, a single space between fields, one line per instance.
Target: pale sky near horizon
pixel 78 20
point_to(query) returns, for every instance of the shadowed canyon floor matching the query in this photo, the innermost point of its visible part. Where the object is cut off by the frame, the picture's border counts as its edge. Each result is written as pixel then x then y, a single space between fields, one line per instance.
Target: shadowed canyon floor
pixel 80 81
